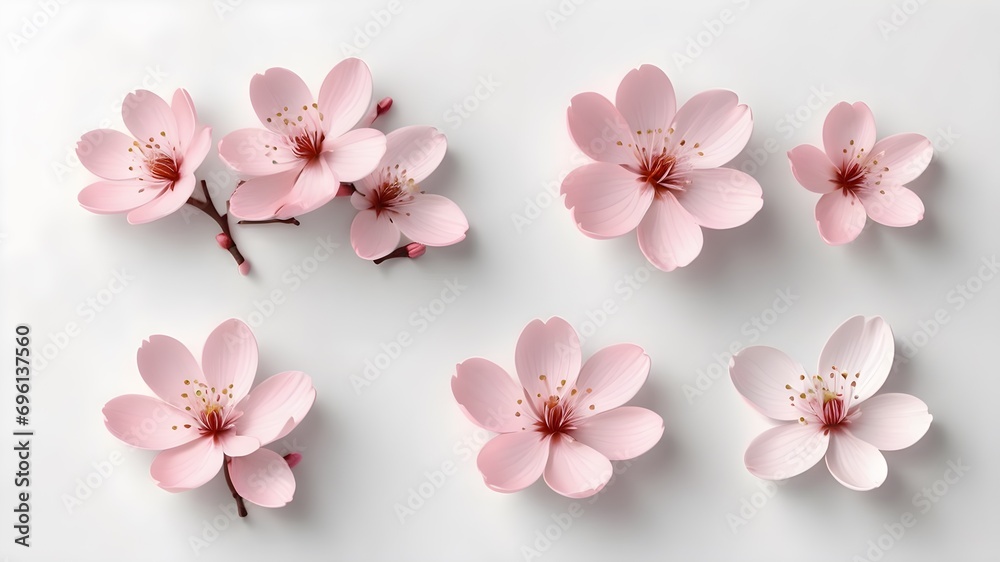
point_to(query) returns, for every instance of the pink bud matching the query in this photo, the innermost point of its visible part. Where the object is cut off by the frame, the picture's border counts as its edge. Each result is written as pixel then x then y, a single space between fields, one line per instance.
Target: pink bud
pixel 383 105
pixel 293 459
pixel 415 250
pixel 345 190
pixel 224 240
pixel 245 268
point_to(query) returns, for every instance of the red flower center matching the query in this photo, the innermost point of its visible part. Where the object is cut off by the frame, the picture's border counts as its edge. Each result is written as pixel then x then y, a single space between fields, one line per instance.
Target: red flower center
pixel 308 145
pixel 664 172
pixel 825 400
pixel 557 418
pixel 163 167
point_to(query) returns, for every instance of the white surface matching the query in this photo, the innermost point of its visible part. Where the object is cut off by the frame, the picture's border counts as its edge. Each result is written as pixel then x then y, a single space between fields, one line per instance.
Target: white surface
pixel 365 453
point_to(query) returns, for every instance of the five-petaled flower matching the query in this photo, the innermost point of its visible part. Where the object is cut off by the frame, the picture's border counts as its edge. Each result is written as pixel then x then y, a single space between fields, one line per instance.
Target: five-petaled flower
pixel 858 176
pixel 832 413
pixel 390 201
pixel 560 420
pixel 207 415
pixel 309 145
pixel 151 175
pixel 658 168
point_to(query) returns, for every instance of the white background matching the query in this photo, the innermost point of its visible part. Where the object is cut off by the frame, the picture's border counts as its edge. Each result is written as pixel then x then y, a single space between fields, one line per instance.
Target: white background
pixel 934 71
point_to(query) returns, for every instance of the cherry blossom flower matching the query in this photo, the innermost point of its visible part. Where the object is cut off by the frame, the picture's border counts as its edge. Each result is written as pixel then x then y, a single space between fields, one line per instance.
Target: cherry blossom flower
pixel 833 413
pixel 309 145
pixel 206 417
pixel 390 201
pixel 658 168
pixel 559 420
pixel 150 174
pixel 858 176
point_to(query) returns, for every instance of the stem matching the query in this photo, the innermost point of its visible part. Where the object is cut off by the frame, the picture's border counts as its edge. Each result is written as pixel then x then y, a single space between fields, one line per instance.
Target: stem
pixel 293 221
pixel 412 250
pixel 229 482
pixel 208 208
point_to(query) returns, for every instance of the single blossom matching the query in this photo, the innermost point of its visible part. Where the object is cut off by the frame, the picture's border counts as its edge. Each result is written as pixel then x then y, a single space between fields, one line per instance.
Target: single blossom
pixel 207 416
pixel 832 413
pixel 309 145
pixel 858 176
pixel 390 202
pixel 658 168
pixel 559 420
pixel 151 173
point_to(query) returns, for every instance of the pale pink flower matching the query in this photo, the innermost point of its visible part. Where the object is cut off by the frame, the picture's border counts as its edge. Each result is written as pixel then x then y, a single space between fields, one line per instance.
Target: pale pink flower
pixel 559 421
pixel 657 167
pixel 832 413
pixel 207 415
pixel 151 175
pixel 390 201
pixel 310 144
pixel 858 176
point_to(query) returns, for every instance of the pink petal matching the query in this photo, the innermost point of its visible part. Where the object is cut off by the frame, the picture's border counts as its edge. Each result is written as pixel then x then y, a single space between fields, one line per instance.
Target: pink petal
pixel 418 150
pixel 148 423
pixel 165 364
pixel 316 186
pixel 620 434
pixel 598 128
pixel 147 117
pixel 261 198
pixel 185 116
pixel 847 129
pixel 167 202
pixel 547 354
pixel 606 199
pixel 513 461
pixel 646 99
pixel 370 115
pixel 263 478
pixel 609 378
pixel 360 199
pixel 188 466
pixel 854 463
pixel 906 157
pixel 105 152
pixel 489 396
pixel 714 127
pixel 840 216
pixel 345 96
pixel 431 220
pixel 892 205
pixel 252 152
pixel 197 150
pixel 786 450
pixel 117 196
pixel 860 346
pixel 276 406
pixel 812 169
pixel 891 421
pixel 354 154
pixel 229 359
pixel 277 95
pixel 373 235
pixel 574 469
pixel 235 445
pixel 760 375
pixel 669 236
pixel 721 197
